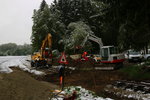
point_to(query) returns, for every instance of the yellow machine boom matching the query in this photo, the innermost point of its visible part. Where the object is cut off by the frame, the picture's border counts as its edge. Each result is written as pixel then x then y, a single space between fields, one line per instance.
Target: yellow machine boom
pixel 44 57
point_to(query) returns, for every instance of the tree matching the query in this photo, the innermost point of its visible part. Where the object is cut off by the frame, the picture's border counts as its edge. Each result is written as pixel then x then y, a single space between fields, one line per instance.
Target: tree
pixel 14 49
pixel 116 22
pixel 78 32
pixel 40 27
pixel 87 11
pixel 46 20
pixel 126 23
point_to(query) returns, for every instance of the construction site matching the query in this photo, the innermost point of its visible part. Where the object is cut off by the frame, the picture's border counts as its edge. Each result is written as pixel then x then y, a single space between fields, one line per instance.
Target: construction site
pixel 75 50
pixel 90 80
pixel 51 75
pixel 47 75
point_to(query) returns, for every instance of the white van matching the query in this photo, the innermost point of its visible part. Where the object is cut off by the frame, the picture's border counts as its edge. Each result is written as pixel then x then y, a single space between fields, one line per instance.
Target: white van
pixel 134 56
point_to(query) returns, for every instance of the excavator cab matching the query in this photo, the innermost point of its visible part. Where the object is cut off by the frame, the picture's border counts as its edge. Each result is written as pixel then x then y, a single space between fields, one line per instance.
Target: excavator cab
pixel 106 51
pixel 110 55
pixel 47 53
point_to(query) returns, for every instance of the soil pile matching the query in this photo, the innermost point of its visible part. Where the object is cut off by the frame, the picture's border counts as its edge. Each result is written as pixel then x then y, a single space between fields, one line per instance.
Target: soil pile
pixel 20 85
pixel 80 63
pixel 75 63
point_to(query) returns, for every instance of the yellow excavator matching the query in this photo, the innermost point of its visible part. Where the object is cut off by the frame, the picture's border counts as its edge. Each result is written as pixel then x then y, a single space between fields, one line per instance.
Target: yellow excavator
pixel 44 57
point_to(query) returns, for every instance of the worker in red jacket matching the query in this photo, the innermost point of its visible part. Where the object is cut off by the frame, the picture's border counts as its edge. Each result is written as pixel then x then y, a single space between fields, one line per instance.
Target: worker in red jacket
pixel 84 56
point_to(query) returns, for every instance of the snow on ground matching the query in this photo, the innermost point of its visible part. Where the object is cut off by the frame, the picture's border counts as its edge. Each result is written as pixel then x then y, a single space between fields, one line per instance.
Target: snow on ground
pixel 128 93
pixel 82 94
pixel 16 61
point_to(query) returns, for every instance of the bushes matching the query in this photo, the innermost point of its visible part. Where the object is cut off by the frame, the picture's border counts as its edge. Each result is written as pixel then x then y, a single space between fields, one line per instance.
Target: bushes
pixel 137 72
pixel 14 50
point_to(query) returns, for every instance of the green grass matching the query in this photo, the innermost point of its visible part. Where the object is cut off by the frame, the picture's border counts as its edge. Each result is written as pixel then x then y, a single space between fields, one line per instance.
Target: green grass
pixel 137 72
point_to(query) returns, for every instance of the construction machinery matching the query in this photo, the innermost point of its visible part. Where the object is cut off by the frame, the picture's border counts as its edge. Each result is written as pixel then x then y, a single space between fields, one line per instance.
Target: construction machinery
pixel 109 54
pixel 43 58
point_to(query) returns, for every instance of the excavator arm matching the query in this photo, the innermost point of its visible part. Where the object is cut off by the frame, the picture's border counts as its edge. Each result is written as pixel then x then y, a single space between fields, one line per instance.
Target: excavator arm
pixel 47 42
pixel 44 57
pixel 93 38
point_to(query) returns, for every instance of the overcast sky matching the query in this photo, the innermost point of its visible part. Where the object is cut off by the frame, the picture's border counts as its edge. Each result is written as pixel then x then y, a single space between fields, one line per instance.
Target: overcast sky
pixel 15 20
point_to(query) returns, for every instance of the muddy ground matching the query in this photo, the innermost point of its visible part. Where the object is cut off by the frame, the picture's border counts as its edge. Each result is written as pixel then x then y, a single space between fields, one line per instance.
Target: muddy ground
pixel 94 80
pixel 19 85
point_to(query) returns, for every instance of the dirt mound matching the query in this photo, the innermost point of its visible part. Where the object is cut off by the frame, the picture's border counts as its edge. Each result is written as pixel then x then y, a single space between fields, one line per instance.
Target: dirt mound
pixel 20 85
pixel 80 63
pixel 75 63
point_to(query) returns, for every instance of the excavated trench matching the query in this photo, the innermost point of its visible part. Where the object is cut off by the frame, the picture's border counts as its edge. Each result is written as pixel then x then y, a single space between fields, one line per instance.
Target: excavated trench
pixel 103 83
pixel 89 78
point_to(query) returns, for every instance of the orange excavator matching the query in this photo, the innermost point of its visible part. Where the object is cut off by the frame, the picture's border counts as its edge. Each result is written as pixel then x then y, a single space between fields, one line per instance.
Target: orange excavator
pixel 44 57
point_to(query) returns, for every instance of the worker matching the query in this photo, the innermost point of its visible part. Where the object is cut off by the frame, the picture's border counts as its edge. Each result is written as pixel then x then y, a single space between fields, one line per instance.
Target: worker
pixel 84 56
pixel 61 74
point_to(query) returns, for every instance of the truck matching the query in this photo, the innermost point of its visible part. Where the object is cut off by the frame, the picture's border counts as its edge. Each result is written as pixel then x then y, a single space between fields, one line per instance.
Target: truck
pixel 43 58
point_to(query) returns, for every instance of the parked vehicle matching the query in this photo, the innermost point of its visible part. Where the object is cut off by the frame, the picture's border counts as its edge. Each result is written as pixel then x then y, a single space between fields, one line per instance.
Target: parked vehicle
pixel 147 56
pixel 134 56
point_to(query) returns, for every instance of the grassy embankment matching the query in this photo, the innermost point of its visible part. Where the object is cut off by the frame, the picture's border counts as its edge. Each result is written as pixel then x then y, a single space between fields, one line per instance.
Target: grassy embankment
pixel 137 71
